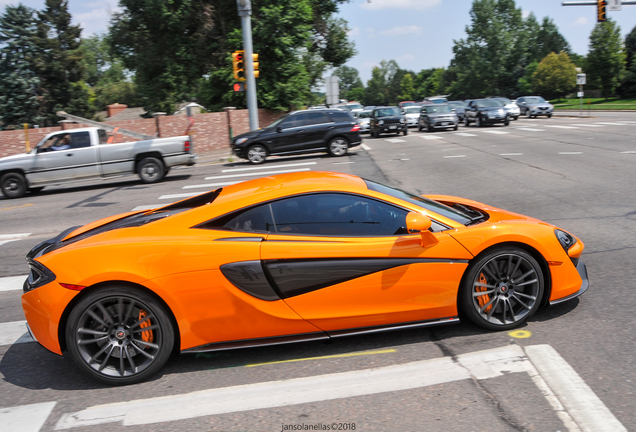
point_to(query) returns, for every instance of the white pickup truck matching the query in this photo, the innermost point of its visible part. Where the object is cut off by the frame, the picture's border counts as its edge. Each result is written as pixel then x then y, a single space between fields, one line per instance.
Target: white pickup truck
pixel 81 154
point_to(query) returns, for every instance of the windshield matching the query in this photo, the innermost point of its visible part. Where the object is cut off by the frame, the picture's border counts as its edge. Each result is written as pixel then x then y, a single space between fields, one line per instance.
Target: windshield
pixel 405 104
pixel 420 201
pixel 535 99
pixel 504 101
pixel 438 109
pixel 439 100
pixel 363 114
pixel 487 103
pixel 386 112
pixel 352 106
pixel 412 110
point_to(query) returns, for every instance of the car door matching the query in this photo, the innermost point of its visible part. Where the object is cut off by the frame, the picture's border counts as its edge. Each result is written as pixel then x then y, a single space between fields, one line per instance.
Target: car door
pixel 288 136
pixel 471 110
pixel 345 261
pixel 316 127
pixel 83 156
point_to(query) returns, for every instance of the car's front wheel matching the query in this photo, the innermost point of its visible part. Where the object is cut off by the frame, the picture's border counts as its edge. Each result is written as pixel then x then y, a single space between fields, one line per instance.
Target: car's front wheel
pixel 257 154
pixel 338 146
pixel 502 289
pixel 466 122
pixel 528 115
pixel 119 335
pixel 151 170
pixel 478 122
pixel 507 121
pixel 13 185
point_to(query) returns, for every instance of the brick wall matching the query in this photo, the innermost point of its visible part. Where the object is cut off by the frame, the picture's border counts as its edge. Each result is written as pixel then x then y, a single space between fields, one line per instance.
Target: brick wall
pixel 210 131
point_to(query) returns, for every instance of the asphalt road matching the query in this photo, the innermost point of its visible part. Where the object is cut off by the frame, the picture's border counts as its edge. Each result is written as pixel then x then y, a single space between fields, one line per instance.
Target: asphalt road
pixel 572 172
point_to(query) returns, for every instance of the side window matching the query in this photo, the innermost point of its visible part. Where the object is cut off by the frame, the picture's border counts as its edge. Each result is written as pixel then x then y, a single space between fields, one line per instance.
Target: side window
pixel 257 218
pixel 80 140
pixel 294 121
pixel 333 214
pixel 315 118
pixel 103 136
pixel 341 116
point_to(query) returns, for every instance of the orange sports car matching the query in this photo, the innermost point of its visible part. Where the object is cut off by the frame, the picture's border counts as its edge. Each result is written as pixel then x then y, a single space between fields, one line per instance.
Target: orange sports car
pixel 286 258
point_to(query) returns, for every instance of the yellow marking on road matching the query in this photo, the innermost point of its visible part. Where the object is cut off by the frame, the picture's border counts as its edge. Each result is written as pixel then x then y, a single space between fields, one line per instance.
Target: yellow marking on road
pixel 15 207
pixel 326 357
pixel 520 334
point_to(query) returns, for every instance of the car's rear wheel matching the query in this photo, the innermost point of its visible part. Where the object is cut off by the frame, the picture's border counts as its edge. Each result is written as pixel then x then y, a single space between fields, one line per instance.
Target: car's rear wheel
pixel 507 121
pixel 151 170
pixel 456 125
pixel 13 185
pixel 406 131
pixel 257 154
pixel 478 122
pixel 502 289
pixel 338 146
pixel 119 336
pixel 466 122
pixel 419 126
pixel 528 115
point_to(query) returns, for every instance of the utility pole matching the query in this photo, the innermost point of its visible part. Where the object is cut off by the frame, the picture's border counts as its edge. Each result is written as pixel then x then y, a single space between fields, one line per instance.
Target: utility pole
pixel 245 11
pixel 601 5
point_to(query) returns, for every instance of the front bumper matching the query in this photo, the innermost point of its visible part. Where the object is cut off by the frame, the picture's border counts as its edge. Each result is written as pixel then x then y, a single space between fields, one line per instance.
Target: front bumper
pixel 582 270
pixel 541 111
pixel 411 122
pixel 391 128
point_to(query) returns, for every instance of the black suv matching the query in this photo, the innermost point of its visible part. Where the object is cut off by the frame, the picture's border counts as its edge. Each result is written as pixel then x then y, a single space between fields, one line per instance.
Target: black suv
pixel 485 111
pixel 387 120
pixel 330 130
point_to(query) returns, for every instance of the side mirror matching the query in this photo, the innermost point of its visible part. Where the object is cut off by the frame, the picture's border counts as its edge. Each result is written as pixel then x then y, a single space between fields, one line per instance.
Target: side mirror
pixel 417 222
pixel 279 129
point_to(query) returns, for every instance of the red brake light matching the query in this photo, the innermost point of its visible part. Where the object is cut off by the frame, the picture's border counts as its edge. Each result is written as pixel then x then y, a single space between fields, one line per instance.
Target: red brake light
pixel 356 128
pixel 73 287
pixel 186 146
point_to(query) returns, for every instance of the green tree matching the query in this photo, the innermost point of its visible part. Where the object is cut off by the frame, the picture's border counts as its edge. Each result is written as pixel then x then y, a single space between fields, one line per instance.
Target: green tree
pixel 524 85
pixel 555 76
pixel 19 101
pixel 407 90
pixel 628 86
pixel 381 88
pixel 58 63
pixel 606 58
pixel 545 39
pixel 349 82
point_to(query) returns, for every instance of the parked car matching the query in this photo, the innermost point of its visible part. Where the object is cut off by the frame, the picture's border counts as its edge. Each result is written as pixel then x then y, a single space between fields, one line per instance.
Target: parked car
pixel 354 106
pixel 412 114
pixel 83 154
pixel 363 118
pixel 387 119
pixel 330 130
pixel 404 104
pixel 437 99
pixel 437 116
pixel 533 106
pixel 459 107
pixel 285 258
pixel 511 108
pixel 486 111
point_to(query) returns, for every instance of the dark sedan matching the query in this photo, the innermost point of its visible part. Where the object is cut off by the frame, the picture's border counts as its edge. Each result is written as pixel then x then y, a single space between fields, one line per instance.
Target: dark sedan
pixel 486 111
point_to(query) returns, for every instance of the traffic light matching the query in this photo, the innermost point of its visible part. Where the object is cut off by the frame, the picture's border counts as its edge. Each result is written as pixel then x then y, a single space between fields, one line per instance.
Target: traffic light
pixel 238 65
pixel 255 63
pixel 600 8
pixel 239 87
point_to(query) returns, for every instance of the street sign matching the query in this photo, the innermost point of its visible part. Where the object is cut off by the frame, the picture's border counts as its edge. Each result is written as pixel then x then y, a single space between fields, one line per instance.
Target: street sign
pixel 580 79
pixel 579 94
pixel 332 90
pixel 615 5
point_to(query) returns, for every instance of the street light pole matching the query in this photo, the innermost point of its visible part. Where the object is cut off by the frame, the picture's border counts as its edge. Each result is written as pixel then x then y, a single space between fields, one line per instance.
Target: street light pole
pixel 245 10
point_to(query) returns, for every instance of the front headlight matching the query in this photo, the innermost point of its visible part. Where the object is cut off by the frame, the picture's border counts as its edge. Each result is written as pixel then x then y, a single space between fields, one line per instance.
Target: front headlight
pixel 381 122
pixel 401 120
pixel 240 140
pixel 566 240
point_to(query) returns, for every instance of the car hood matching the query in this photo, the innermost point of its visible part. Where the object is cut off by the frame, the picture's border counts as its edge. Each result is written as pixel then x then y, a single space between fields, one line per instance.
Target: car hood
pixel 412 115
pixel 14 158
pixel 250 134
pixel 441 114
pixel 490 108
pixel 540 105
pixel 496 214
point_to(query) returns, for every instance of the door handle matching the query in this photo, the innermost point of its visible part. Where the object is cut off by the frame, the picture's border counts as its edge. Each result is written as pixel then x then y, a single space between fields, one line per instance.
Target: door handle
pixel 69 154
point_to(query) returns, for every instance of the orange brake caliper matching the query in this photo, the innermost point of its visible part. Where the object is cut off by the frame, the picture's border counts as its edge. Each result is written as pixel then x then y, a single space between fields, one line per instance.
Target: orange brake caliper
pixel 146 335
pixel 483 299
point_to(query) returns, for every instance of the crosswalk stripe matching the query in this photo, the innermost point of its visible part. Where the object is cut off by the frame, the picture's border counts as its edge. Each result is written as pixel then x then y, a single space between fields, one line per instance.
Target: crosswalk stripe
pixel 395 140
pixel 612 124
pixel 588 125
pixel 431 137
pixel 210 185
pixel 260 173
pixel 6 238
pixel 455 156
pixel 26 418
pixel 530 129
pixel 268 167
pixel 570 153
pixel 495 132
pixel 464 134
pixel 177 196
pixel 365 147
pixel 629 152
pixel 510 154
pixel 14 332
pixel 560 127
pixel 12 283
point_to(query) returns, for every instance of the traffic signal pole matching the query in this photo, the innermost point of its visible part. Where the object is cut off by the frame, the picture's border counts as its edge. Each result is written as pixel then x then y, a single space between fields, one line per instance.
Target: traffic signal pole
pixel 245 10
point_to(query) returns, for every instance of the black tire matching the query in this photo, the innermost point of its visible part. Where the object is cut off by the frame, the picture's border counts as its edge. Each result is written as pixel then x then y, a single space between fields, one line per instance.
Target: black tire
pixel 549 115
pixel 426 127
pixel 257 154
pixel 507 121
pixel 466 122
pixel 456 126
pixel 338 147
pixel 151 170
pixel 478 122
pixel 516 117
pixel 502 289
pixel 13 185
pixel 528 114
pixel 106 339
pixel 406 131
pixel 419 126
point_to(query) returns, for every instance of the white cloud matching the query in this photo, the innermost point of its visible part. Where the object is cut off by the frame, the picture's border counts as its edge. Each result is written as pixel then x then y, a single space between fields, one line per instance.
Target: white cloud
pixel 405 58
pixel 370 32
pixel 399 4
pixel 580 22
pixel 354 32
pixel 399 31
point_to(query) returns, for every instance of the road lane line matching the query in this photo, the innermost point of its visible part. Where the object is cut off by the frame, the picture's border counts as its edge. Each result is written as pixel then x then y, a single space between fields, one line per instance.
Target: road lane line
pixel 14 332
pixel 455 156
pixel 177 196
pixel 629 152
pixel 387 351
pixel 343 163
pixel 588 125
pixel 465 134
pixel 260 173
pixel 147 207
pixel 6 238
pixel 510 154
pixel 12 283
pixel 395 140
pixel 25 418
pixel 530 129
pixel 581 402
pixel 365 147
pixel 211 185
pixel 560 127
pixel 570 153
pixel 431 137
pixel 268 167
pixel 496 132
pixel 611 124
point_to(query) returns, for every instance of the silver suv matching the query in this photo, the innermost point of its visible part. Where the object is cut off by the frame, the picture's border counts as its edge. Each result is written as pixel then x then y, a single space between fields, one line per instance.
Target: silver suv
pixel 533 106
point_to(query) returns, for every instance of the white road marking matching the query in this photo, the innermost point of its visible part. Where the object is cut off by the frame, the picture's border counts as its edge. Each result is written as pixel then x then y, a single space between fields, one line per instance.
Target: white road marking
pixel 25 418
pixel 629 152
pixel 587 125
pixel 570 153
pixel 394 140
pixel 510 154
pixel 365 147
pixel 577 397
pixel 611 124
pixel 12 283
pixel 6 238
pixel 260 173
pixel 177 196
pixel 455 156
pixel 343 163
pixel 561 127
pixel 464 134
pixel 211 185
pixel 548 370
pixel 14 332
pixel 495 132
pixel 269 167
pixel 627 121
pixel 147 207
pixel 530 129
pixel 431 137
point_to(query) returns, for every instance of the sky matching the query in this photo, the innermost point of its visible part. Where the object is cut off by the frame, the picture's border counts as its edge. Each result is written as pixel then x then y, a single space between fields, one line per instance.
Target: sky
pixel 418 34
